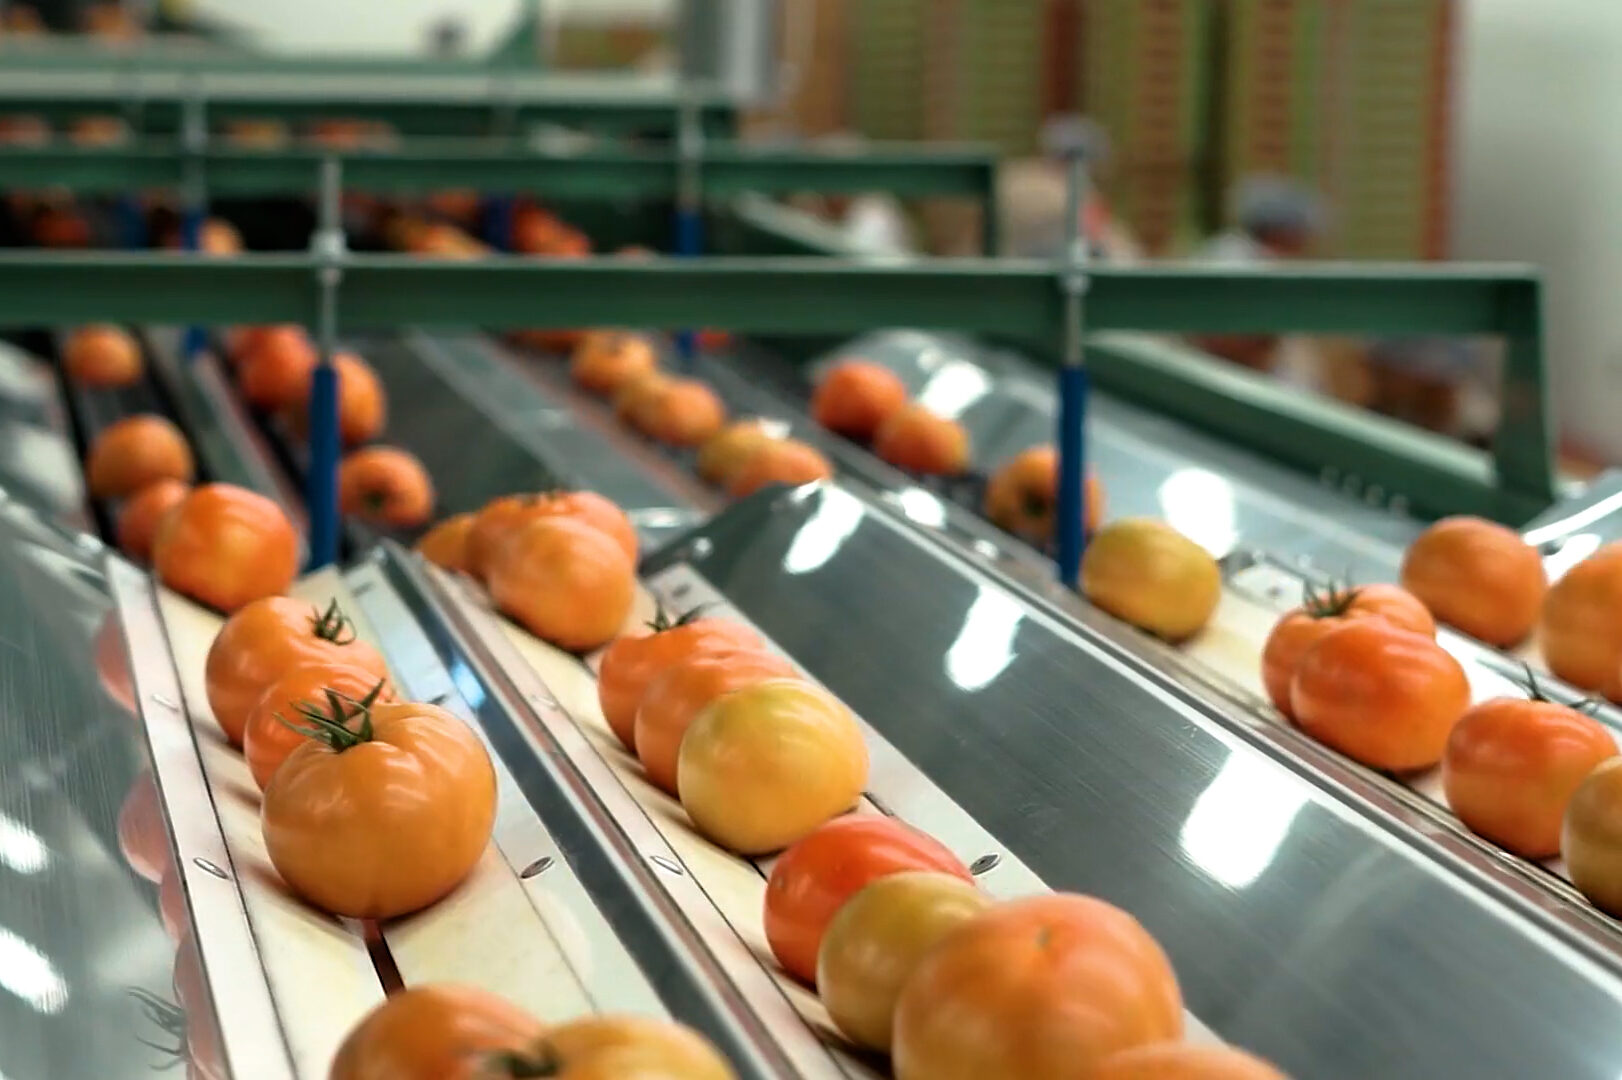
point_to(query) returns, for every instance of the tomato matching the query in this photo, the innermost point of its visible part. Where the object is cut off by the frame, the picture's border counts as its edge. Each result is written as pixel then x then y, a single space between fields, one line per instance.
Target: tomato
pixel 685 689
pixel 565 582
pixel 383 811
pixel 433 1032
pixel 242 341
pixel 362 404
pixel 631 663
pixel 270 637
pixel 1478 577
pixel 557 341
pixel 876 939
pixel 1511 765
pixel 1150 575
pixel 855 398
pixel 502 518
pixel 1591 837
pixel 608 359
pixel 102 355
pixel 219 237
pixel 493 525
pixel 226 546
pixel 142 838
pixel 635 397
pixel 1048 986
pixel 1022 496
pixel 763 766
pixel 619 1048
pixel 1303 627
pixel 1184 1061
pixel 269 735
pixel 460 205
pixel 728 450
pixel 684 413
pixel 780 461
pixel 819 873
pixel 131 453
pixel 276 368
pixel 113 663
pixel 919 441
pixel 1382 696
pixel 1581 625
pixel 139 517
pixel 445 545
pixel 386 486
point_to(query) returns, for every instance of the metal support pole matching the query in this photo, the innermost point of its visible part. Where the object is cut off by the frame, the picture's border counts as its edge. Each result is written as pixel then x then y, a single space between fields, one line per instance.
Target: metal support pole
pixel 322 482
pixel 1073 384
pixel 689 238
pixel 193 197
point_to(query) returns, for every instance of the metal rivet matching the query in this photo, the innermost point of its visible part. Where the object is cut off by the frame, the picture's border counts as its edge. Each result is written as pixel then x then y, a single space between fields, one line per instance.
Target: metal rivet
pixel 984 864
pixel 165 700
pixel 541 701
pixel 441 699
pixel 209 868
pixel 539 866
pixel 680 591
pixel 664 862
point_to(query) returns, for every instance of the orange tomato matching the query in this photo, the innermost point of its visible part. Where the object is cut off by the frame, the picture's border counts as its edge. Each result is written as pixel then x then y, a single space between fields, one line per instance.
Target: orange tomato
pixel 1478 577
pixel 225 546
pixel 611 1047
pixel 139 517
pixel 1380 695
pixel 1184 1061
pixel 1319 614
pixel 1581 625
pixel 1048 986
pixel 269 734
pixel 876 939
pixel 102 355
pixel 565 582
pixel 382 812
pixel 763 766
pixel 818 874
pixel 635 397
pixel 684 412
pixel 855 398
pixel 276 368
pixel 920 441
pixel 728 450
pixel 362 404
pixel 1150 575
pixel 434 1032
pixel 685 689
pixel 142 838
pixel 1022 496
pixel 1591 837
pixel 387 486
pixel 779 461
pixel 445 545
pixel 1511 765
pixel 131 453
pixel 266 639
pixel 607 359
pixel 631 663
pixel 502 518
pixel 219 237
pixel 493 525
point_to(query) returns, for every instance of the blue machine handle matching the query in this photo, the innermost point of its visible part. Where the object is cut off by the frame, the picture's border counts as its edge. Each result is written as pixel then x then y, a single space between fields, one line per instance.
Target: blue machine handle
pixel 191 238
pixel 1070 518
pixel 323 478
pixel 689 242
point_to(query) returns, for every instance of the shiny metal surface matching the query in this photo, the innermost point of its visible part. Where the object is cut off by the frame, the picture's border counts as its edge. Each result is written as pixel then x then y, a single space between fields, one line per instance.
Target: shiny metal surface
pixel 81 941
pixel 37 461
pixel 1328 941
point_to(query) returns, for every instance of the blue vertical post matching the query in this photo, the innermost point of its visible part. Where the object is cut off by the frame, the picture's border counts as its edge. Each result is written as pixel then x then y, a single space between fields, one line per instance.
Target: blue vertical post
pixel 498 221
pixel 322 481
pixel 131 222
pixel 689 223
pixel 1072 435
pixel 194 201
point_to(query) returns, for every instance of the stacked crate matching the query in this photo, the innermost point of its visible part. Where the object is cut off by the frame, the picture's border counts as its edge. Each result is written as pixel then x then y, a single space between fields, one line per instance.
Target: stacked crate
pixel 984 78
pixel 887 67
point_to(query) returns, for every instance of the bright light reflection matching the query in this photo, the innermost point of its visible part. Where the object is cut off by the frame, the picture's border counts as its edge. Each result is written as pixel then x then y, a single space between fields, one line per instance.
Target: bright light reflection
pixel 824 532
pixel 1199 504
pixel 29 973
pixel 1572 552
pixel 1237 824
pixel 985 646
pixel 921 507
pixel 954 387
pixel 21 848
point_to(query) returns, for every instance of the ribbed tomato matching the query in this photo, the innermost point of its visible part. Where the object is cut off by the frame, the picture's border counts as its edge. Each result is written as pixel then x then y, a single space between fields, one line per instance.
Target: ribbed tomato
pixel 387 486
pixel 1321 612
pixel 856 397
pixel 684 690
pixel 271 732
pixel 565 582
pixel 631 663
pixel 1478 577
pixel 445 545
pixel 1022 496
pixel 684 413
pixel 502 518
pixel 143 512
pixel 226 546
pixel 434 1032
pixel 818 874
pixel 131 453
pixel 608 359
pixel 270 637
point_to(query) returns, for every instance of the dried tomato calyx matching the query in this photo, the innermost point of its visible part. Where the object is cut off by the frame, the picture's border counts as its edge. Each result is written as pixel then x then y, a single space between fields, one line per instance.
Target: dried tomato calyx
pixel 540 1061
pixel 332 624
pixel 168 1018
pixel 661 618
pixel 1328 603
pixel 329 724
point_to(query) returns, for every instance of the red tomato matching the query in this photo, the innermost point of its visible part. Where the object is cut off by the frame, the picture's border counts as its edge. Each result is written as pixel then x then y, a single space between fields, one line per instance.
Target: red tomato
pixel 818 874
pixel 270 734
pixel 1045 988
pixel 1382 696
pixel 1300 629
pixel 226 546
pixel 435 1032
pixel 686 689
pixel 630 664
pixel 268 638
pixel 1511 766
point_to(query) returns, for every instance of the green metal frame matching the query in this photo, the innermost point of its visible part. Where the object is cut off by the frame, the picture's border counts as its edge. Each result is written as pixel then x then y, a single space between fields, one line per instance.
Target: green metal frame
pixel 1018 301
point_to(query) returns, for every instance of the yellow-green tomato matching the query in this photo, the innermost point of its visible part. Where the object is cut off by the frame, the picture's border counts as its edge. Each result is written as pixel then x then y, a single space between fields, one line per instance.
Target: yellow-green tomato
pixel 1591 840
pixel 876 939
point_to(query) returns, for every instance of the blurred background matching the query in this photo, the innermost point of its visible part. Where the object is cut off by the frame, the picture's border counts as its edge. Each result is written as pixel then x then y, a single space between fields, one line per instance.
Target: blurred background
pixel 1230 130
